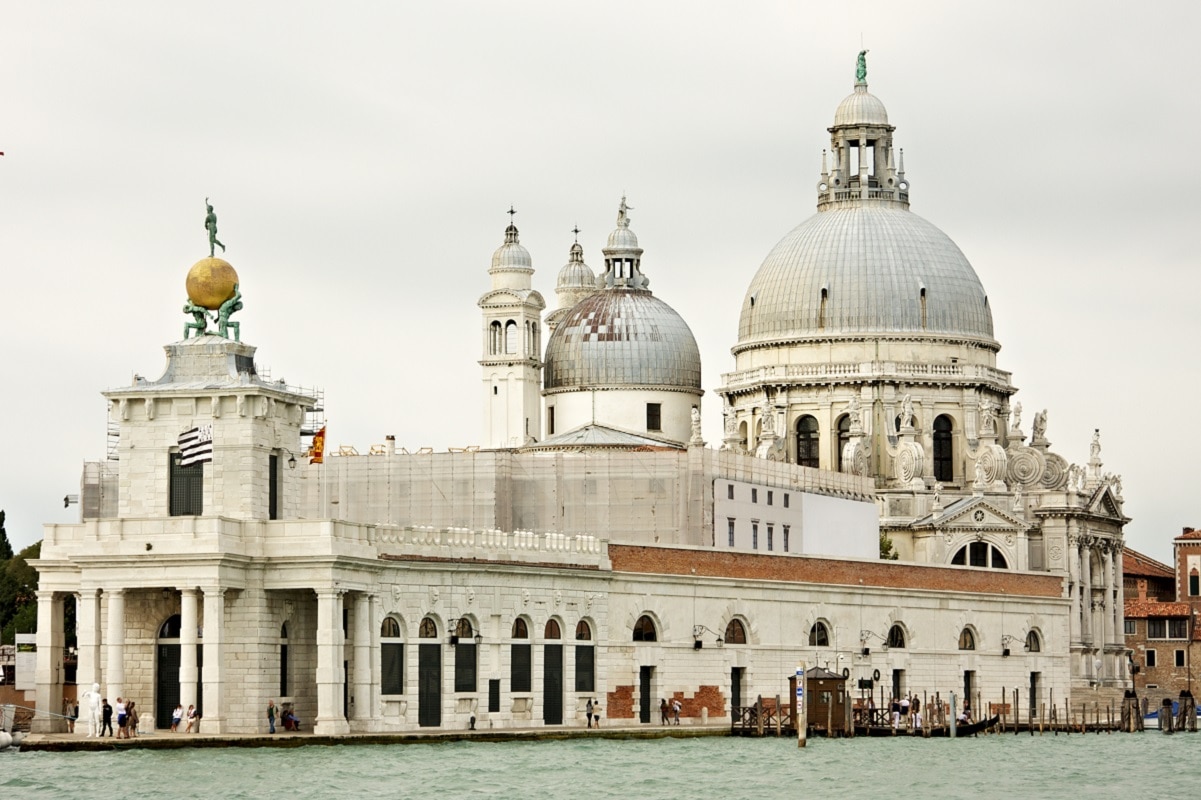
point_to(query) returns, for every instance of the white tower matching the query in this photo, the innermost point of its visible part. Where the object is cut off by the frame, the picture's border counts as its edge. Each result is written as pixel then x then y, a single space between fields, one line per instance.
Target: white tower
pixel 512 344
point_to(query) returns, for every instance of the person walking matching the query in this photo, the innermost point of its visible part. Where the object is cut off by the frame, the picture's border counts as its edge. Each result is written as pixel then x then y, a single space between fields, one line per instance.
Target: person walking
pixel 131 713
pixel 271 716
pixel 122 719
pixel 663 711
pixel 675 710
pixel 106 718
pixel 916 708
pixel 588 711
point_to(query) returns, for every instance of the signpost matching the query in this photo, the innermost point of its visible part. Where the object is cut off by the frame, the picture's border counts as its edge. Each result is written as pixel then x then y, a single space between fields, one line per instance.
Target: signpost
pixel 802 718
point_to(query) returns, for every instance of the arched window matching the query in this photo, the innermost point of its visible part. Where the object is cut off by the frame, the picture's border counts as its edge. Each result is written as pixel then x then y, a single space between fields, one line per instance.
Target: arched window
pixel 465 656
pixel 967 639
pixel 644 630
pixel 511 335
pixel 980 554
pixel 819 635
pixel 944 461
pixel 170 628
pixel 844 438
pixel 742 434
pixel 463 628
pixel 583 633
pixel 521 658
pixel 391 657
pixel 896 636
pixel 585 659
pixel 428 629
pixel 283 631
pixel 1033 643
pixel 552 630
pixel 495 339
pixel 735 633
pixel 807 441
pixel 520 629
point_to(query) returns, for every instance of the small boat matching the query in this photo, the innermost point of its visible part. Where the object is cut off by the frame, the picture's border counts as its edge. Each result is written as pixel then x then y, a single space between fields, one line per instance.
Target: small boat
pixel 969 729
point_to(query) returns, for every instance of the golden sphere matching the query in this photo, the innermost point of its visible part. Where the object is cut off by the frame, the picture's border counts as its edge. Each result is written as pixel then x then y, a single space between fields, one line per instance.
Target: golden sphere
pixel 211 282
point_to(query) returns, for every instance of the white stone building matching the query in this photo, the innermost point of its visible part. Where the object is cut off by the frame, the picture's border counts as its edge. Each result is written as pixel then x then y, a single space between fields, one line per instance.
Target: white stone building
pixel 615 557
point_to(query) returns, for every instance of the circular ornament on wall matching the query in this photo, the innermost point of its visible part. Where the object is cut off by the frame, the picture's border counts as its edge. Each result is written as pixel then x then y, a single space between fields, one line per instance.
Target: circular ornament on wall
pixel 1056 553
pixel 1025 466
pixel 1055 472
pixel 909 464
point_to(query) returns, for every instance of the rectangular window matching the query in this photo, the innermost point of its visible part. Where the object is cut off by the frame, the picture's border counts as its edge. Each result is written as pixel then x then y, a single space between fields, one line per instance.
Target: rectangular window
pixel 187 488
pixel 1128 627
pixel 770 495
pixel 785 536
pixel 392 668
pixel 494 696
pixel 283 671
pixel 1180 658
pixel 1150 658
pixel 1194 584
pixel 1157 629
pixel 520 668
pixel 273 486
pixel 585 668
pixel 754 495
pixel 1178 629
pixel 754 535
pixel 786 499
pixel 730 492
pixel 730 530
pixel 654 416
pixel 465 667
pixel 770 537
pixel 550 421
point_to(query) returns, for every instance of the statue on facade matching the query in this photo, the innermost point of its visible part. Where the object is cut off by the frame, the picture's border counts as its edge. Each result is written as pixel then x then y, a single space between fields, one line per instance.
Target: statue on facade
pixel 1094 449
pixel 906 412
pixel 938 494
pixel 728 421
pixel 1017 416
pixel 861 67
pixel 980 481
pixel 623 219
pixel 769 421
pixel 234 303
pixel 696 426
pixel 1017 499
pixel 200 317
pixel 1040 425
pixel 855 412
pixel 210 225
pixel 988 418
pixel 91 700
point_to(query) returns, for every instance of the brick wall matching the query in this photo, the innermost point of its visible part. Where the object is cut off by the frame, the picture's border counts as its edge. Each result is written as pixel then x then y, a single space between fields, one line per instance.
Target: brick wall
pixel 890 574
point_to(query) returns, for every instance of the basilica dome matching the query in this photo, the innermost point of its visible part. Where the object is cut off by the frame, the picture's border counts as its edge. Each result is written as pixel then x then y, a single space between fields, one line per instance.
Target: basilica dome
pixel 862 269
pixel 621 338
pixel 512 254
pixel 861 108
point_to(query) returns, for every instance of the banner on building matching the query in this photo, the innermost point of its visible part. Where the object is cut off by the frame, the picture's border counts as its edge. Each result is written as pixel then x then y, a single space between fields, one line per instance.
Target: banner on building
pixel 196 446
pixel 317 449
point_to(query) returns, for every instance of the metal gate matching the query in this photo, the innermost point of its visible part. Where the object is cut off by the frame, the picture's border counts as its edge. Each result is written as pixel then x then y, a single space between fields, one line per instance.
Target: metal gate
pixel 644 693
pixel 552 684
pixel 429 685
pixel 736 686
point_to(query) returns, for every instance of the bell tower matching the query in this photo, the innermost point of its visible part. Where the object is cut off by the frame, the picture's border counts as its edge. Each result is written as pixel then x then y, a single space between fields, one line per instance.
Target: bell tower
pixel 512 348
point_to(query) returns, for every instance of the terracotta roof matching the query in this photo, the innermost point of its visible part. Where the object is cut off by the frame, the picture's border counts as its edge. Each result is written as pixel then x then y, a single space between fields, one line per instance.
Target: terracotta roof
pixel 1189 533
pixel 1135 563
pixel 1142 609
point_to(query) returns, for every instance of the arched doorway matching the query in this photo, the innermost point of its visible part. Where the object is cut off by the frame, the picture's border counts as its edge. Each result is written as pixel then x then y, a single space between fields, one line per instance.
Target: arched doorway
pixel 166 670
pixel 808 440
pixel 552 675
pixel 429 675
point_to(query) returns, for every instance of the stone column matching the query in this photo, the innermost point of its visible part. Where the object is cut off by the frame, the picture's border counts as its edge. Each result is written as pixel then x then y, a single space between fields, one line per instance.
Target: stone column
pixel 1086 557
pixel 215 717
pixel 1107 610
pixel 361 690
pixel 1074 586
pixel 1119 599
pixel 330 674
pixel 49 676
pixel 188 634
pixel 114 673
pixel 87 638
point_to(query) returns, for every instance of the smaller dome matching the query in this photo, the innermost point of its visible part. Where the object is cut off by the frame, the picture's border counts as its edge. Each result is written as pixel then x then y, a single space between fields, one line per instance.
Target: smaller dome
pixel 511 254
pixel 622 238
pixel 575 273
pixel 860 108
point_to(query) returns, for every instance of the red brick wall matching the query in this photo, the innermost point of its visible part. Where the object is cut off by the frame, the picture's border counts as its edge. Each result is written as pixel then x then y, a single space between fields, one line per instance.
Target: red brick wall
pixel 621 703
pixel 799 569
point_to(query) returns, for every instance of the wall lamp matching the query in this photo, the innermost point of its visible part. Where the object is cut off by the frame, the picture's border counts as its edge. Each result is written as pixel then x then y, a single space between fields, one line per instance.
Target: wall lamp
pixel 698 631
pixel 1006 640
pixel 864 636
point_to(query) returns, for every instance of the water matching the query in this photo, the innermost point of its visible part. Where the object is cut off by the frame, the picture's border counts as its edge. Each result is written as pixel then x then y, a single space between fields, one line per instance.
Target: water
pixel 1018 767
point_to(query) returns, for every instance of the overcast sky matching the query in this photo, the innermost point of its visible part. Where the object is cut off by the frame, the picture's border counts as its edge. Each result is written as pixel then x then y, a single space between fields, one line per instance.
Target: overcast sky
pixel 361 157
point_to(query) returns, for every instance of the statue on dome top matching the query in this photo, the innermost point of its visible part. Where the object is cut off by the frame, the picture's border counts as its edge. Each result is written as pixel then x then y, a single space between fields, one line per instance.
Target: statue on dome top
pixel 210 225
pixel 861 67
pixel 623 219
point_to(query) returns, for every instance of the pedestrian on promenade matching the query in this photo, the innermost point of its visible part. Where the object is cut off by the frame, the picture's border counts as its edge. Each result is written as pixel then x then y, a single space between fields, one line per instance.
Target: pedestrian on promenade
pixel 675 710
pixel 905 709
pixel 122 719
pixel 191 719
pixel 106 718
pixel 176 716
pixel 271 716
pixel 663 711
pixel 588 711
pixel 894 708
pixel 916 707
pixel 131 727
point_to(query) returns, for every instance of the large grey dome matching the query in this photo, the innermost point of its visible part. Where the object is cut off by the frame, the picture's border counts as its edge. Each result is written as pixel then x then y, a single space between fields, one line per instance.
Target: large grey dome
pixel 864 270
pixel 620 338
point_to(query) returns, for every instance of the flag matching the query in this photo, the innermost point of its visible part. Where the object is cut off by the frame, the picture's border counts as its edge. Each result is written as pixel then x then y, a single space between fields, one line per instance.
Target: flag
pixel 196 446
pixel 317 449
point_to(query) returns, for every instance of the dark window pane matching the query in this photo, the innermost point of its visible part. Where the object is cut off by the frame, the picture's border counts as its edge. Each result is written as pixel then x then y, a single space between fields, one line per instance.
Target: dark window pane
pixel 520 668
pixel 465 667
pixel 187 488
pixel 585 668
pixel 644 630
pixel 807 442
pixel 392 660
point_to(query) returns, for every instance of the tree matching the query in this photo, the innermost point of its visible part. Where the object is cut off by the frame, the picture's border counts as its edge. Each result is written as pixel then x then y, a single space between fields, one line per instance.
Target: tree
pixel 19 594
pixel 886 550
pixel 6 549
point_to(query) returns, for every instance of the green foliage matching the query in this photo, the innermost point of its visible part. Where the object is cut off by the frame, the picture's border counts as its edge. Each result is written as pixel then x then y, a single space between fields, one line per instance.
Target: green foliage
pixel 887 553
pixel 6 549
pixel 18 594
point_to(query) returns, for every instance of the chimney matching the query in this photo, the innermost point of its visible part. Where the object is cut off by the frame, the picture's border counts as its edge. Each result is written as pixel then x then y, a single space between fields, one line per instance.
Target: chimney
pixel 1142 590
pixel 390 444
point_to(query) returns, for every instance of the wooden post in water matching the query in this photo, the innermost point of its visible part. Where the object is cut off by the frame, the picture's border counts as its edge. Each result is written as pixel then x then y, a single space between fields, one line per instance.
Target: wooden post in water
pixel 759 715
pixel 1042 713
pixel 1003 714
pixel 1051 700
pixel 954 716
pixel 802 721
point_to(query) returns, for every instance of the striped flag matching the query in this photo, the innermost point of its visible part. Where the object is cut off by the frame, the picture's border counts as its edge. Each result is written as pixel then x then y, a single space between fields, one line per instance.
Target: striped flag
pixel 196 446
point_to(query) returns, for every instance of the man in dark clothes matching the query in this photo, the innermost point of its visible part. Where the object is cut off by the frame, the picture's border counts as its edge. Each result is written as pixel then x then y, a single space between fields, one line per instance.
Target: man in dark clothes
pixel 106 721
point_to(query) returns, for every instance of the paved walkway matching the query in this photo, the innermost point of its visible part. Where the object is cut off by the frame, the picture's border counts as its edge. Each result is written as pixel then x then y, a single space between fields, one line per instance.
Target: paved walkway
pixel 165 740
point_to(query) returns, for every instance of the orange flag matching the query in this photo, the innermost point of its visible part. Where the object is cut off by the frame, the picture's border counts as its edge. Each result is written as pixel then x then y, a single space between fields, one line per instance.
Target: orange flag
pixel 317 450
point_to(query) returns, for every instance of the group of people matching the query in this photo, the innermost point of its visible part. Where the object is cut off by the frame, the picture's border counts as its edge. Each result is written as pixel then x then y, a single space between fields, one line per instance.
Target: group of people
pixel 125 711
pixel 288 718
pixel 593 710
pixel 908 708
pixel 178 717
pixel 669 713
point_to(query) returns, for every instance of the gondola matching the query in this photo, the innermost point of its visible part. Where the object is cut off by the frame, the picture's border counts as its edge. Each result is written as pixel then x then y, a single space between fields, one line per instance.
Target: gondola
pixel 970 729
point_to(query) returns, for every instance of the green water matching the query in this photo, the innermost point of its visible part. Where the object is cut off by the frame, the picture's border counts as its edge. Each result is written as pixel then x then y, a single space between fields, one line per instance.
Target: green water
pixel 1016 767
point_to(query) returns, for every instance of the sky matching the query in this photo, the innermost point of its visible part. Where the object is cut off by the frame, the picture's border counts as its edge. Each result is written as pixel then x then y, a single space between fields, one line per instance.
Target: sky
pixel 361 158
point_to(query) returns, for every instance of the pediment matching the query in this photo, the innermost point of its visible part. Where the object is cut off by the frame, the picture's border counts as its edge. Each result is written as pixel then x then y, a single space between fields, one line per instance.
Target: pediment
pixel 1105 503
pixel 972 513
